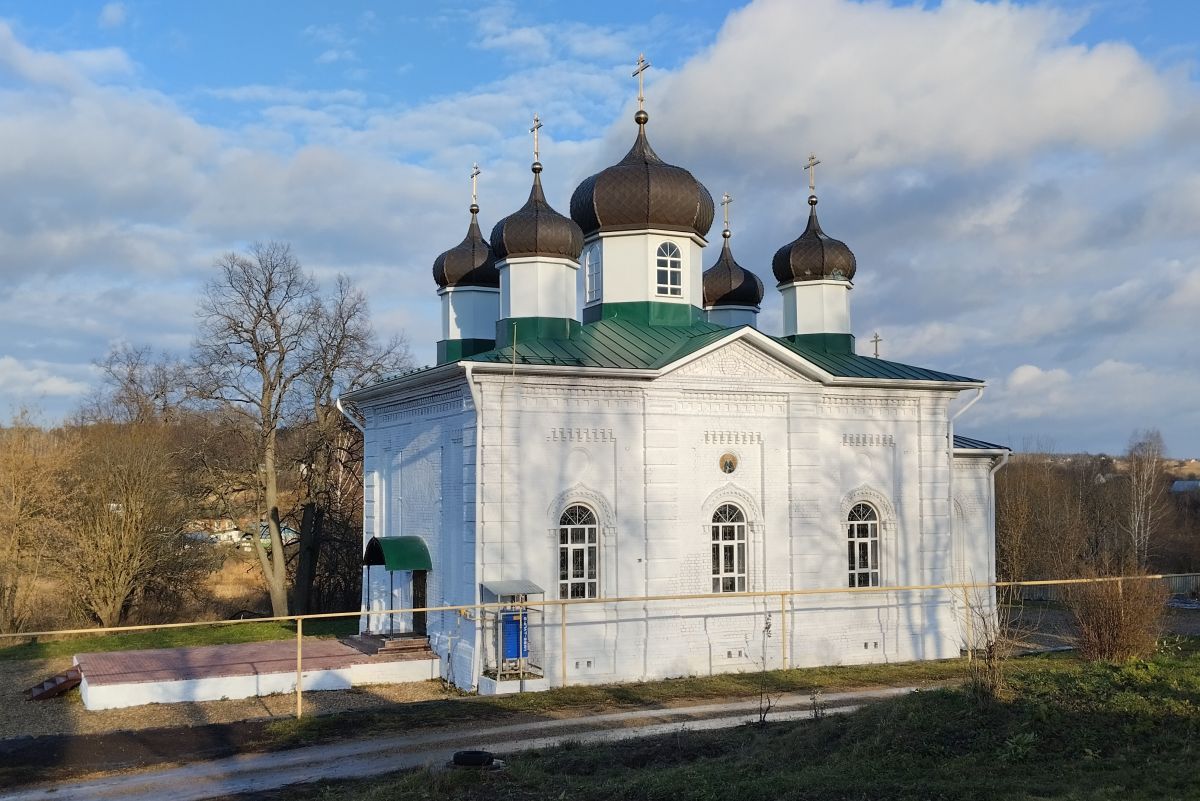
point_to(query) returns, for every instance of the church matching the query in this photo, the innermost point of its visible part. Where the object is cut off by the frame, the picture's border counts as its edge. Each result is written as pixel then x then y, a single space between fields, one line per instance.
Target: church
pixel 608 424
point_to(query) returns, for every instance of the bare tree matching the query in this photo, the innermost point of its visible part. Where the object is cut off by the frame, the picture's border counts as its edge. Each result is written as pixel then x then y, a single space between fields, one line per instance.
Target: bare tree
pixel 347 355
pixel 126 520
pixel 256 341
pixel 1147 492
pixel 34 464
pixel 137 386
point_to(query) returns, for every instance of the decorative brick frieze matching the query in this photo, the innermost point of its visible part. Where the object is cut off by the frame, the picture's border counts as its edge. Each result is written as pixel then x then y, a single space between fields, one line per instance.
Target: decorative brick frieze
pixel 869 440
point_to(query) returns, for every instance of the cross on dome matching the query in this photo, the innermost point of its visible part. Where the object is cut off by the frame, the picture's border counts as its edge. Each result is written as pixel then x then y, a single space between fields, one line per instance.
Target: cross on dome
pixel 811 166
pixel 726 199
pixel 475 184
pixel 642 66
pixel 537 125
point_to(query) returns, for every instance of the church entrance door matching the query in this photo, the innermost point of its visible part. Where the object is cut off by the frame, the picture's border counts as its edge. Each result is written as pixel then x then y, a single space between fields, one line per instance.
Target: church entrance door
pixel 419 601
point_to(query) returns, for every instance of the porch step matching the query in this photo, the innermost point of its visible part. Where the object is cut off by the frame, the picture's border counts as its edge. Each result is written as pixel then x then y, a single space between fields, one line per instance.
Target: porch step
pixel 401 648
pixel 55 685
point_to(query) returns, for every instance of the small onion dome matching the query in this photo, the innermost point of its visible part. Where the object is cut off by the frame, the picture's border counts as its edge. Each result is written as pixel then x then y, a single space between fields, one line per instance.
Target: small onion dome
pixel 642 191
pixel 470 262
pixel 727 283
pixel 535 229
pixel 814 256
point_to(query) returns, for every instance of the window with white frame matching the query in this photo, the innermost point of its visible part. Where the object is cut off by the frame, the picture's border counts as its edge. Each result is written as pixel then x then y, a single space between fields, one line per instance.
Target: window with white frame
pixel 728 549
pixel 593 274
pixel 578 553
pixel 862 545
pixel 669 264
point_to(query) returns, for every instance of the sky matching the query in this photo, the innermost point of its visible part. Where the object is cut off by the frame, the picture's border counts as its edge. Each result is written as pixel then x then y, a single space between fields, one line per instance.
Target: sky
pixel 1019 181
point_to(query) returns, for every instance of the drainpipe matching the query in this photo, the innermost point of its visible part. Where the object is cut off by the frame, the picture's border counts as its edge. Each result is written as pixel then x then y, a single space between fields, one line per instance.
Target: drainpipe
pixel 348 415
pixel 476 652
pixel 354 422
pixel 1000 462
pixel 950 475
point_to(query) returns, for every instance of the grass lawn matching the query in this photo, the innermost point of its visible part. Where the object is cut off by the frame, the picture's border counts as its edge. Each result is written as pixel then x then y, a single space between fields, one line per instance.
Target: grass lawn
pixel 608 697
pixel 1063 730
pixel 176 638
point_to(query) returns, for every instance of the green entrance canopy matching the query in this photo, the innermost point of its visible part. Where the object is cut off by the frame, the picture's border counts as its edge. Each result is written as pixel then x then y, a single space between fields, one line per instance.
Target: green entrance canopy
pixel 398 553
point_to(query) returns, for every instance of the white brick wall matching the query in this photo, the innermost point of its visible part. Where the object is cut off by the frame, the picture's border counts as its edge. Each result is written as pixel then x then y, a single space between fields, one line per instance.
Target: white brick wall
pixel 645 456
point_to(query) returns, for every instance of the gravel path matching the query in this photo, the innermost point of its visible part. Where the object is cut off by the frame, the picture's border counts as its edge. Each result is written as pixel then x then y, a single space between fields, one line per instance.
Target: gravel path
pixel 356 759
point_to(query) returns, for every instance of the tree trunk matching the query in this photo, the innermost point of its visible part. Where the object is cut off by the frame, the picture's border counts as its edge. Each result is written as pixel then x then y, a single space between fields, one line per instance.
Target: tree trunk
pixel 311 526
pixel 276 575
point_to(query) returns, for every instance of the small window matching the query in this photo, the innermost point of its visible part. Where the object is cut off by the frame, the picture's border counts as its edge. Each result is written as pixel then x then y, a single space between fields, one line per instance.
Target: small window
pixel 670 270
pixel 862 545
pixel 578 554
pixel 728 549
pixel 593 274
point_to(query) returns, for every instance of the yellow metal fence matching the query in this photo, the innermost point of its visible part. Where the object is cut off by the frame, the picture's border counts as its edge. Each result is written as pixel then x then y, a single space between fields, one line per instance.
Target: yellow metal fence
pixel 471 611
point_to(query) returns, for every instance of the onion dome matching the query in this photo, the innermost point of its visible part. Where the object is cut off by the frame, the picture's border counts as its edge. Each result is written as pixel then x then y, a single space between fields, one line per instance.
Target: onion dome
pixel 470 262
pixel 642 191
pixel 814 256
pixel 535 229
pixel 727 283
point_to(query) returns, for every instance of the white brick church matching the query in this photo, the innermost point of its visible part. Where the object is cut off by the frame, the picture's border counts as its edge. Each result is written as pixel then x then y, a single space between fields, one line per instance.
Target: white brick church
pixel 607 421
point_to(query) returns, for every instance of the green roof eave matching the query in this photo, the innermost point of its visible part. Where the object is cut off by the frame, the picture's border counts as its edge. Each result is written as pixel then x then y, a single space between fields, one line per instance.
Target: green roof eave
pixel 398 553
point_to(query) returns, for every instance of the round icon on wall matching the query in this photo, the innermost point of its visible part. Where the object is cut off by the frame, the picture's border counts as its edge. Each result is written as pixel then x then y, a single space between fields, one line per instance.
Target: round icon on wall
pixel 728 463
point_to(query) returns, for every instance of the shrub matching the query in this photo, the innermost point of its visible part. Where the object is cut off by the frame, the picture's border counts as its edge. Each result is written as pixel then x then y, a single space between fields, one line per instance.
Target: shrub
pixel 1117 621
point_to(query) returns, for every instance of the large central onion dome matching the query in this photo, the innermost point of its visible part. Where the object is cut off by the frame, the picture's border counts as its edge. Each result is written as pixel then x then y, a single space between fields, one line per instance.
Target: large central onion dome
pixel 814 256
pixel 536 229
pixel 642 191
pixel 727 283
pixel 470 262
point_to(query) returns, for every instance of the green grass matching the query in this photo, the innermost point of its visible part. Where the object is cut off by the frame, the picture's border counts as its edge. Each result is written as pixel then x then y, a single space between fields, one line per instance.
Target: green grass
pixel 176 638
pixel 1064 730
pixel 640 695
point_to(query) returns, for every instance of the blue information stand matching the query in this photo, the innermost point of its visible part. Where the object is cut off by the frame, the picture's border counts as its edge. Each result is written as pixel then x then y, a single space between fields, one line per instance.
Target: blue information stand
pixel 515 627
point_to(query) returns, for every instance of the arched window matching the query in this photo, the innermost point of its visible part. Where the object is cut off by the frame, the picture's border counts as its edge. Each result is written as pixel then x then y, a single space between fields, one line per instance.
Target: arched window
pixel 593 274
pixel 728 549
pixel 862 533
pixel 670 270
pixel 578 556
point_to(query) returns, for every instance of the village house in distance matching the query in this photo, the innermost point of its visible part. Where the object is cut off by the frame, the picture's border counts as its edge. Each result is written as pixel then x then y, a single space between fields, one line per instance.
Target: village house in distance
pixel 606 420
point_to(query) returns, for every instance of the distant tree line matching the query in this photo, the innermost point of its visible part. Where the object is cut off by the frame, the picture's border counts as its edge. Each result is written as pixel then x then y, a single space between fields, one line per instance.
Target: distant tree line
pixel 1061 517
pixel 95 515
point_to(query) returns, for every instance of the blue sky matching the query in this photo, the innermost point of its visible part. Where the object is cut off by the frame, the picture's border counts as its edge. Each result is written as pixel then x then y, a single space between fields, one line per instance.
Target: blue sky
pixel 1020 182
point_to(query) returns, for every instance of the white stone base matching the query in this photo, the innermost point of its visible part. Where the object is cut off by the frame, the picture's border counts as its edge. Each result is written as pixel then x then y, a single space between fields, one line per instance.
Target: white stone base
pixel 219 688
pixel 488 686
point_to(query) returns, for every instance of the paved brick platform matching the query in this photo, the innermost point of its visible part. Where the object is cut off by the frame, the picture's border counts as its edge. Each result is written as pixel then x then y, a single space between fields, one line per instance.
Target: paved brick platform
pixel 214 672
pixel 213 661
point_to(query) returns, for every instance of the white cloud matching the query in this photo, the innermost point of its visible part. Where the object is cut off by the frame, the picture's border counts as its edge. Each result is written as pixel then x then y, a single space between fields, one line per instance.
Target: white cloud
pixel 875 86
pixel 113 15
pixel 334 55
pixel 30 381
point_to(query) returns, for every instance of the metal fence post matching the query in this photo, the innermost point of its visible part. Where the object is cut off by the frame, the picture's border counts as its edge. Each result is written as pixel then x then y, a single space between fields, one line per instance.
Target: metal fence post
pixel 299 668
pixel 783 626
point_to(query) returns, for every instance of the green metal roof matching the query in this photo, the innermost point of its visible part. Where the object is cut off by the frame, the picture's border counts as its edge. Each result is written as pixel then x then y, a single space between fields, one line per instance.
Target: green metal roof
pixel 398 553
pixel 625 344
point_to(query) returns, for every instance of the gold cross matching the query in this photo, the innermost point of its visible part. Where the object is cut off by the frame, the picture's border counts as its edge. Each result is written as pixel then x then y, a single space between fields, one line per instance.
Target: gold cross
pixel 811 166
pixel 642 66
pixel 726 199
pixel 474 184
pixel 876 339
pixel 537 124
